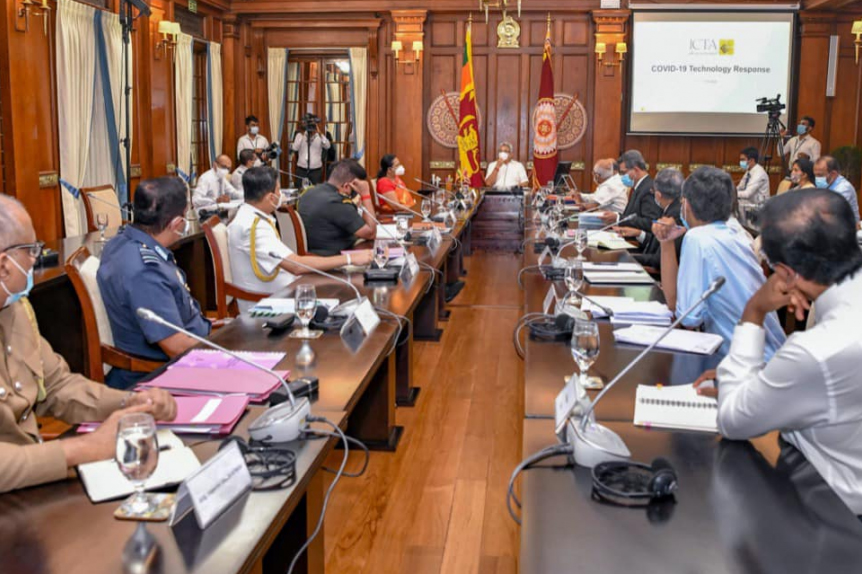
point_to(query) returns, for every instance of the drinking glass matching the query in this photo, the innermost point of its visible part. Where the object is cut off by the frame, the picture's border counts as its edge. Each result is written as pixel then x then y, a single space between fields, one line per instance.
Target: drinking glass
pixel 381 253
pixel 137 455
pixel 101 225
pixel 585 347
pixel 426 208
pixel 581 241
pixel 574 280
pixel 306 305
pixel 402 227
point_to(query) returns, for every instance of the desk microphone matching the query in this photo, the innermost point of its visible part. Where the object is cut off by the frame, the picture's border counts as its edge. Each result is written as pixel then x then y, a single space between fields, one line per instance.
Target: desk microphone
pixel 593 443
pixel 399 206
pixel 437 187
pixel 592 209
pixel 423 197
pixel 399 241
pixel 281 423
pixel 347 306
pixel 124 209
pixel 304 181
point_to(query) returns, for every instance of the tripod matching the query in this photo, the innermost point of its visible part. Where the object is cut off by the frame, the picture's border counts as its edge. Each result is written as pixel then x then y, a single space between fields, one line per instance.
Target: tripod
pixel 773 143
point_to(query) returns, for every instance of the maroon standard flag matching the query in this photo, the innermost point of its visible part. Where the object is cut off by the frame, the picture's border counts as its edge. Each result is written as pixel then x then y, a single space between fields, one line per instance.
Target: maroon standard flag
pixel 545 123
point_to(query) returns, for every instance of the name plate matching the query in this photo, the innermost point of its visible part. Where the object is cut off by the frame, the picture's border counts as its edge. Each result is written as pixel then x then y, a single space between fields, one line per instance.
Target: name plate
pixel 435 239
pixel 360 324
pixel 550 299
pixel 214 487
pixel 410 268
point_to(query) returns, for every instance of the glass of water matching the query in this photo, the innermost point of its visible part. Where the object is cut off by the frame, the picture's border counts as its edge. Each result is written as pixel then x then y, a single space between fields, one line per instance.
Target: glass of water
pixel 381 253
pixel 306 305
pixel 402 227
pixel 581 242
pixel 425 206
pixel 574 280
pixel 102 225
pixel 137 456
pixel 585 347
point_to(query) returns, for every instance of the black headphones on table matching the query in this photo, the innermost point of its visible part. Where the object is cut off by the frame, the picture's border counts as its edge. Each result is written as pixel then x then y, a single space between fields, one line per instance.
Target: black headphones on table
pixel 634 483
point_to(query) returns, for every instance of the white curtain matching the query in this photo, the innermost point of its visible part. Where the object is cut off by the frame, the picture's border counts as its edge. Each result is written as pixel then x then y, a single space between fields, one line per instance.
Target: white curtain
pixel 215 100
pixel 276 68
pixel 76 68
pixel 183 76
pixel 359 93
pixel 113 33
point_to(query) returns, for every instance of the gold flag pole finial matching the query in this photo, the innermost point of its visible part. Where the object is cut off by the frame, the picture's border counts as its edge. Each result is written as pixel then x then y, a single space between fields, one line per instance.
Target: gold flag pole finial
pixel 549 23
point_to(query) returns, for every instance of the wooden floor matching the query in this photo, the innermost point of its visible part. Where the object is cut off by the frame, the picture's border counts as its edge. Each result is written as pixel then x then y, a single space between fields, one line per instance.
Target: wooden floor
pixel 438 503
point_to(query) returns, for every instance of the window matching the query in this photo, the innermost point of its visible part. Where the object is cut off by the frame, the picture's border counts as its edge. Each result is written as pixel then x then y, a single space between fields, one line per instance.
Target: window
pixel 320 85
pixel 200 132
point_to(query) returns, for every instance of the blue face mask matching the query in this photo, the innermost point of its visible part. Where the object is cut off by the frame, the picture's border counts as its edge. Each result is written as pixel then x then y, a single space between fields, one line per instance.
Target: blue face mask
pixel 821 182
pixel 627 181
pixel 801 129
pixel 683 219
pixel 15 297
pixel 743 164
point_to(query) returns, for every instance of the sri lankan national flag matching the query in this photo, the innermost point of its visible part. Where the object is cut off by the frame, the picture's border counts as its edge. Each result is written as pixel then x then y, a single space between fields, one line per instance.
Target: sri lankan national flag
pixel 545 156
pixel 468 125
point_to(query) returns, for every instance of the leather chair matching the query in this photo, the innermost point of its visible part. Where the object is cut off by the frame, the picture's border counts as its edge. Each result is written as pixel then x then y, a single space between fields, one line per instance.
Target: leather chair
pixel 102 199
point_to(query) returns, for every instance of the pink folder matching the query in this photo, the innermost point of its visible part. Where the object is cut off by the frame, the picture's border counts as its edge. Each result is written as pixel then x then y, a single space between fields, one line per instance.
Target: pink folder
pixel 185 380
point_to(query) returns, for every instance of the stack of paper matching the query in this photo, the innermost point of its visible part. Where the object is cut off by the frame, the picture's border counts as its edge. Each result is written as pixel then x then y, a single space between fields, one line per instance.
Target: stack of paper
pixel 212 359
pixel 676 340
pixel 199 415
pixel 256 385
pixel 592 220
pixel 618 277
pixel 612 266
pixel 278 306
pixel 677 407
pixel 627 310
pixel 608 240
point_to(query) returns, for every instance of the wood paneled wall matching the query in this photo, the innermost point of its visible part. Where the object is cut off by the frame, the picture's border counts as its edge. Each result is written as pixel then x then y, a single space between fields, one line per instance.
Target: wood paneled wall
pixel 398 94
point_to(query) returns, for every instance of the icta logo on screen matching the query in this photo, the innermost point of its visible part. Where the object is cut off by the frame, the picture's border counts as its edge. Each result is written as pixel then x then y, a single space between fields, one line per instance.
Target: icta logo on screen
pixel 710 47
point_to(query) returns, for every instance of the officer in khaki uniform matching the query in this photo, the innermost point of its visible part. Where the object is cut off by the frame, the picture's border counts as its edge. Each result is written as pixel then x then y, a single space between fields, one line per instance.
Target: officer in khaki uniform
pixel 36 381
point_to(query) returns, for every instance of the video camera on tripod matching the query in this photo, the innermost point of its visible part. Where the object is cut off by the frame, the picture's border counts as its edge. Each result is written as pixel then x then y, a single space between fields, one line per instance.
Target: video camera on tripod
pixel 310 122
pixel 772 106
pixel 772 144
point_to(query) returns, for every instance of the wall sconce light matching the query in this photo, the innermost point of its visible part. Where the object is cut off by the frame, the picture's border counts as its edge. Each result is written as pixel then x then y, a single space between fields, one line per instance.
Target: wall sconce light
pixel 620 49
pixel 857 31
pixel 169 32
pixel 404 57
pixel 38 8
pixel 601 49
pixel 397 48
pixel 418 47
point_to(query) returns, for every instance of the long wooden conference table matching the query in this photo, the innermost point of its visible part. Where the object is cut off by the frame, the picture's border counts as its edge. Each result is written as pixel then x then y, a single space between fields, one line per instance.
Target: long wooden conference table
pixel 55 528
pixel 742 506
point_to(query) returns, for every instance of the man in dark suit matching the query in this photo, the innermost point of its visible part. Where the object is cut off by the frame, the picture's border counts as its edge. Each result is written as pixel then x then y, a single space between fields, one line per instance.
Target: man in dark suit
pixel 667 188
pixel 641 201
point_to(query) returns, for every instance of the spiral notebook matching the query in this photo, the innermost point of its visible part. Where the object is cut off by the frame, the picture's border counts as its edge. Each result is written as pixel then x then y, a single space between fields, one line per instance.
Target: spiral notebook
pixel 675 407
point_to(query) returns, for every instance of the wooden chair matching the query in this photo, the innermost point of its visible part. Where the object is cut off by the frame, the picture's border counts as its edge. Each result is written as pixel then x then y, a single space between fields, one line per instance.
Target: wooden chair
pixel 226 292
pixel 299 231
pixel 286 228
pixel 102 199
pixel 81 267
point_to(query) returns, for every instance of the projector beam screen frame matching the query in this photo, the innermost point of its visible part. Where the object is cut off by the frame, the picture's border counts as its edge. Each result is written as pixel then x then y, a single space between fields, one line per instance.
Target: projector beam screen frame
pixel 711 124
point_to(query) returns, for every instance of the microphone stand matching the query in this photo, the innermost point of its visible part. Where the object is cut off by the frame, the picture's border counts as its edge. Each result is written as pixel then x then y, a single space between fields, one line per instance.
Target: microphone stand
pixel 593 443
pixel 281 423
pixel 347 306
pixel 400 242
pixel 303 181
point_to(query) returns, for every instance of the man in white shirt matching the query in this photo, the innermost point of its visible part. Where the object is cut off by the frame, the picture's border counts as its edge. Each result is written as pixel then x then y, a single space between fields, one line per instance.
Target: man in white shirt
pixel 811 389
pixel 253 240
pixel 803 143
pixel 505 173
pixel 753 188
pixel 252 140
pixel 246 161
pixel 309 162
pixel 213 187
pixel 610 189
pixel 827 175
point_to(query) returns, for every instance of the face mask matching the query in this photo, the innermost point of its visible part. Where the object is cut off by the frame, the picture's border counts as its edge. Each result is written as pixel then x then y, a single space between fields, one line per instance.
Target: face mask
pixel 795 177
pixel 743 164
pixel 186 228
pixel 801 129
pixel 279 201
pixel 627 181
pixel 14 297
pixel 222 172
pixel 504 156
pixel 254 130
pixel 399 171
pixel 821 182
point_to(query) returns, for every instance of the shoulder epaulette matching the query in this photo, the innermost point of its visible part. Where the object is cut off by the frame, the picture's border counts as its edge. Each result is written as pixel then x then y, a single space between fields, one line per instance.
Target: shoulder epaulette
pixel 149 256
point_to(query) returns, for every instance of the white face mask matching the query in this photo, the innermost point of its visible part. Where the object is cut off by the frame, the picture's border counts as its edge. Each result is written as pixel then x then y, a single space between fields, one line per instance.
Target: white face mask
pixel 186 228
pixel 504 155
pixel 254 130
pixel 280 200
pixel 399 171
pixel 222 172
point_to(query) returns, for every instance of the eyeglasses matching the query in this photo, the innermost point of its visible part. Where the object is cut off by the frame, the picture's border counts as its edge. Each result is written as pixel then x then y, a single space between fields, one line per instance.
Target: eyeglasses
pixel 33 249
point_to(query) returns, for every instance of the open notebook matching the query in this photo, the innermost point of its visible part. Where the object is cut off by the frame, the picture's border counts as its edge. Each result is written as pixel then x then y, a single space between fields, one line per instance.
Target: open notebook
pixel 676 407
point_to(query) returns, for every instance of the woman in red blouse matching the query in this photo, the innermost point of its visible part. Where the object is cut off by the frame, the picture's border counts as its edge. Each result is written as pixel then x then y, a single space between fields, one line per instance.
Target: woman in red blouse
pixel 390 185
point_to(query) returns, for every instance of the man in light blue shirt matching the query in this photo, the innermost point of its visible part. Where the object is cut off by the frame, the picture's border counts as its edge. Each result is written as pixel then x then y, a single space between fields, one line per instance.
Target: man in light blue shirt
pixel 827 175
pixel 710 249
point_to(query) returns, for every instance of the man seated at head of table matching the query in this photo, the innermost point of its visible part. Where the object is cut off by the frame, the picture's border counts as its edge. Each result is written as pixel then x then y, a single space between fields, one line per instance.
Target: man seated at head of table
pixel 711 248
pixel 214 187
pixel 811 388
pixel 389 185
pixel 34 380
pixel 505 172
pixel 253 240
pixel 329 211
pixel 610 190
pixel 138 270
pixel 667 189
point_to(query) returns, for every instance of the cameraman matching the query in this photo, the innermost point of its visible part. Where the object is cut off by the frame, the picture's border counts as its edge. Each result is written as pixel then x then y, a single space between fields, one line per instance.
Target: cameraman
pixel 309 158
pixel 803 144
pixel 252 140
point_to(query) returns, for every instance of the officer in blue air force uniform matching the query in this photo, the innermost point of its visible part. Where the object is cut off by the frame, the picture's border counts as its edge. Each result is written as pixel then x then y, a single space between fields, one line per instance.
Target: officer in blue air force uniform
pixel 139 270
